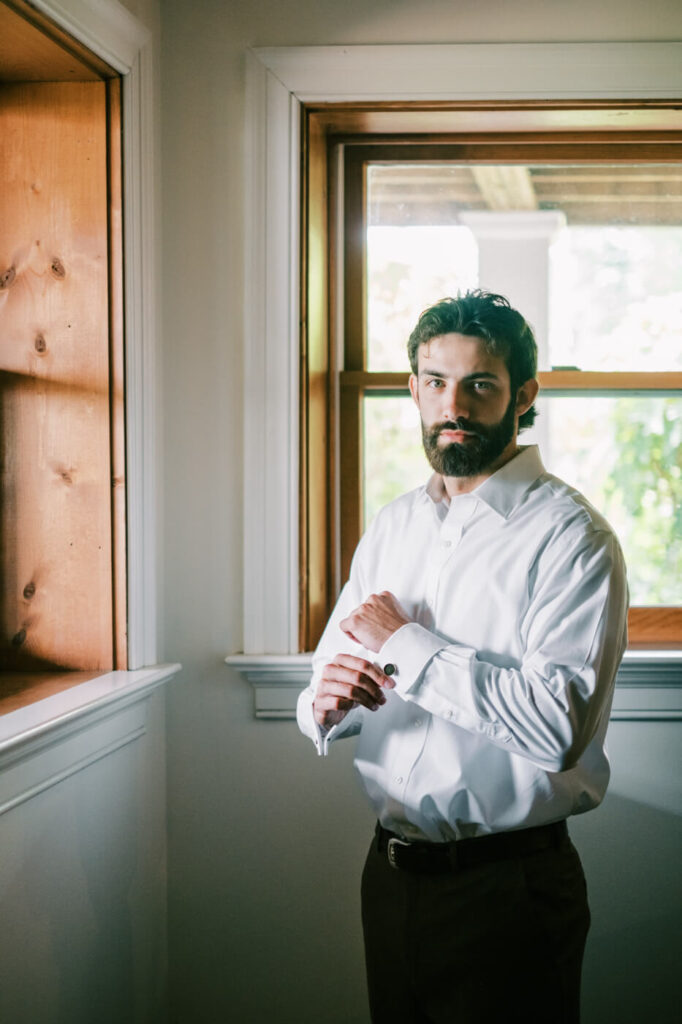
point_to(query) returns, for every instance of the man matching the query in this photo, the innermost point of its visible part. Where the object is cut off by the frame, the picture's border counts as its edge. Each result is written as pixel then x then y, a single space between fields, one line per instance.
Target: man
pixel 474 650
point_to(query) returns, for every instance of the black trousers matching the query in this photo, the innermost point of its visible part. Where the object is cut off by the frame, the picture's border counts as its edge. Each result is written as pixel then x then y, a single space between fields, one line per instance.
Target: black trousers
pixel 497 942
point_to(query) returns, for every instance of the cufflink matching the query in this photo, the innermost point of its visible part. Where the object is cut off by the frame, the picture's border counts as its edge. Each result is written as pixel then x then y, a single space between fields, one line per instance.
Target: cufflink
pixel 390 669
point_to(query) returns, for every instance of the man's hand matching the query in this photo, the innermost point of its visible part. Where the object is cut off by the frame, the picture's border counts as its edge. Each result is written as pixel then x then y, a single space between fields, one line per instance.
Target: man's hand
pixel 375 621
pixel 346 682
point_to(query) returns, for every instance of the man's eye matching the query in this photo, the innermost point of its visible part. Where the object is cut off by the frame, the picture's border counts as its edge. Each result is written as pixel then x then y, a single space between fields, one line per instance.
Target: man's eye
pixel 482 385
pixel 435 383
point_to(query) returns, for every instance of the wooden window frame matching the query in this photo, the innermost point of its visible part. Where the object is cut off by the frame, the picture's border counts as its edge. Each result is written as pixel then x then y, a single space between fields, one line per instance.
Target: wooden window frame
pixel 64 580
pixel 338 143
pixel 115 39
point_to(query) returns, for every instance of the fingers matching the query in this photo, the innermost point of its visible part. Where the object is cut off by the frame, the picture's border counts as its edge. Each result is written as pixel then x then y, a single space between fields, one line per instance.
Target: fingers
pixel 373 622
pixel 346 625
pixel 361 670
pixel 345 683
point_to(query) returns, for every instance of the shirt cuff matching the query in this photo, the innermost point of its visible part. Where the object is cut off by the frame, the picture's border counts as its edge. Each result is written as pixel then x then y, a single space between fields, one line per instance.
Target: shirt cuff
pixel 406 654
pixel 322 737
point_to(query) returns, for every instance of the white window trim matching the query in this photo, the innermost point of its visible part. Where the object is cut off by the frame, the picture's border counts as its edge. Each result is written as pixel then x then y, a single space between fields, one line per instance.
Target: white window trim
pixel 278 81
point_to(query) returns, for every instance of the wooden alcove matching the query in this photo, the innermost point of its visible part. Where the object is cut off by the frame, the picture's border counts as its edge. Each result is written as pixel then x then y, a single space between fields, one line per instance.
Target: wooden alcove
pixel 62 443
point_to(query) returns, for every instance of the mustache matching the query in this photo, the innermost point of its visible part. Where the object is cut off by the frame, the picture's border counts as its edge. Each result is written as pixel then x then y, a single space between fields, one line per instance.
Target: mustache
pixel 458 424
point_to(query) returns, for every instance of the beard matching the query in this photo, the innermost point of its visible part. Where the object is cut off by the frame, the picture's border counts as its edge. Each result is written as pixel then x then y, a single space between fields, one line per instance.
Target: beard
pixel 472 458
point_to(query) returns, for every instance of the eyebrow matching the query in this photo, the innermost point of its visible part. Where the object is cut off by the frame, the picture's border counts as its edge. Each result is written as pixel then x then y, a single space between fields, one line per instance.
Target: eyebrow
pixel 482 375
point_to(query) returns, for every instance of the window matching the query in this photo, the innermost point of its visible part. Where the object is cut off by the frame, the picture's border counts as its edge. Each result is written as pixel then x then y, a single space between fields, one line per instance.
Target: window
pixel 129 637
pixel 594 220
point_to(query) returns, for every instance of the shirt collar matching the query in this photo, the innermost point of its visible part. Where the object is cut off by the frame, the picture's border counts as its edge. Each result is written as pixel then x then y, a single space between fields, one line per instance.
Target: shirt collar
pixel 435 489
pixel 502 491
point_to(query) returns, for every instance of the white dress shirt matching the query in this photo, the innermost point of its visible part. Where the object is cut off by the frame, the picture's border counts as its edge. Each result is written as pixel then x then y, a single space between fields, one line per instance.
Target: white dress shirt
pixel 504 678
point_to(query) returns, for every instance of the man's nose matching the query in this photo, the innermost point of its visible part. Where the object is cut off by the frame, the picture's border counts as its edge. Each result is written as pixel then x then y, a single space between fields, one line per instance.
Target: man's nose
pixel 456 403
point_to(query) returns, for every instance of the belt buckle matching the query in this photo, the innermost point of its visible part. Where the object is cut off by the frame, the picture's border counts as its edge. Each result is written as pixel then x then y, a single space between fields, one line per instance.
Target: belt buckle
pixel 392 848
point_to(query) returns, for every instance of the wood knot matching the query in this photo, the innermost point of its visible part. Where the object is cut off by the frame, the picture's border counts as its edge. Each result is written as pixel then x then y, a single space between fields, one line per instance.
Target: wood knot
pixel 40 344
pixel 57 268
pixel 18 638
pixel 29 590
pixel 7 277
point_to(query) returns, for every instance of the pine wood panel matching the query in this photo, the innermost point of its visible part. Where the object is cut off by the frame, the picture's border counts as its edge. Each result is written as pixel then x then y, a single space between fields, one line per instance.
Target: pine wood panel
pixel 55 519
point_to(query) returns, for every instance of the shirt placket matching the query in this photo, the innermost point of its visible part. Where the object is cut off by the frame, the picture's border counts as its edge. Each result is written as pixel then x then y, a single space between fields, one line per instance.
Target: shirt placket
pixel 449 537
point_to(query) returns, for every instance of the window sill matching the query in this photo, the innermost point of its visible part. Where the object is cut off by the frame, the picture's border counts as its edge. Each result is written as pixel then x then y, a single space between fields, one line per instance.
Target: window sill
pixel 648 686
pixel 43 721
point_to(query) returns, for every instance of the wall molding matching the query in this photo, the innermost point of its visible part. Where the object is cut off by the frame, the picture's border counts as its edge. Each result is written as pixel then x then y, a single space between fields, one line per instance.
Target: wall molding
pixel 456 71
pixel 271 331
pixel 648 684
pixel 32 729
pixel 72 769
pixel 51 740
pixel 279 80
pixel 277 681
pixel 104 26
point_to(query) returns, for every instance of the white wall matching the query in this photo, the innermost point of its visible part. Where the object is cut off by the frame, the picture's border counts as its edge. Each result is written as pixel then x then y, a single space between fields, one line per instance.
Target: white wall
pixel 266 841
pixel 146 11
pixel 83 872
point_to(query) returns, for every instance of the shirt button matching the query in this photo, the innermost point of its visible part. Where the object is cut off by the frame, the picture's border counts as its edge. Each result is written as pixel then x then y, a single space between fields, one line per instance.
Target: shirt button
pixel 390 669
pixel 399 779
pixel 447 543
pixel 417 722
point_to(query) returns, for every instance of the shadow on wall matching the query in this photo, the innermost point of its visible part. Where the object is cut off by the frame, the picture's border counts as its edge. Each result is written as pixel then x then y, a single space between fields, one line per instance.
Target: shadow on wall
pixel 631 855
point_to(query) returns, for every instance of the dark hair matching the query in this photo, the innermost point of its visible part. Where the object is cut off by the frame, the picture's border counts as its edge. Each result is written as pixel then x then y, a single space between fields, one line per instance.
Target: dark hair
pixel 482 314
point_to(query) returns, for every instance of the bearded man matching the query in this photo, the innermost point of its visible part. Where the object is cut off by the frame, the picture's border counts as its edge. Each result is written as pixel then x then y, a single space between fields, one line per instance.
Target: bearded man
pixel 473 652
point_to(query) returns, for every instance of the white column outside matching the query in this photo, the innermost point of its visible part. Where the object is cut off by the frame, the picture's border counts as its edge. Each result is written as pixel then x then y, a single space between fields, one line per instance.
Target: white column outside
pixel 513 260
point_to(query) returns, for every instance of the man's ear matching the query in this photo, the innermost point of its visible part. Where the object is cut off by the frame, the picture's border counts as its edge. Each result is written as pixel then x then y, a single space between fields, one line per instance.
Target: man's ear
pixel 414 388
pixel 526 395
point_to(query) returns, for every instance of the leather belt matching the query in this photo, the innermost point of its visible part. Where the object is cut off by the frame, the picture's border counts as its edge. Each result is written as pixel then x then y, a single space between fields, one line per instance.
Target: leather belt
pixel 437 858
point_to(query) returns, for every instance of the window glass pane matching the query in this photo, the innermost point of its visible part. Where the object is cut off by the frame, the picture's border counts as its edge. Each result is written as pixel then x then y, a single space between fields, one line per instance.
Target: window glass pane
pixel 591 254
pixel 624 454
pixel 409 268
pixel 393 458
pixel 616 298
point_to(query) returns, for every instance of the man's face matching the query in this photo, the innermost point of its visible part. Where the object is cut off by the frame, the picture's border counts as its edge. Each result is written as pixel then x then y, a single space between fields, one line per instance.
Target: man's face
pixel 469 416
